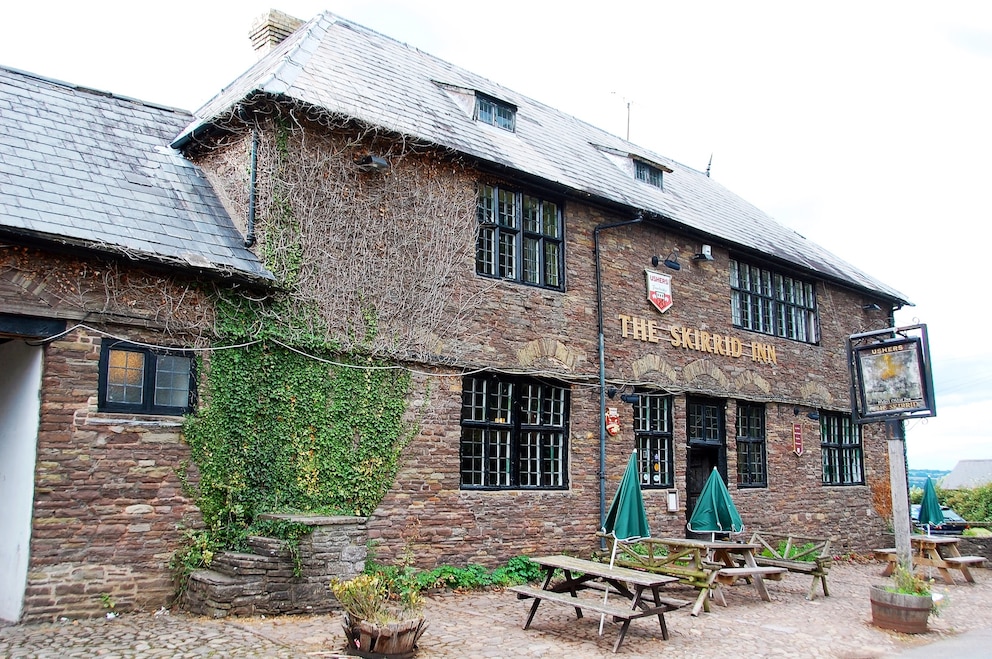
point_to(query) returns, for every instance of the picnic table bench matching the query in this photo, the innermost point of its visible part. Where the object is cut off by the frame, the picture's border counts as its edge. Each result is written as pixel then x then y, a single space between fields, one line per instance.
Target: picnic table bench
pixel 636 593
pixel 704 565
pixel 939 551
pixel 802 554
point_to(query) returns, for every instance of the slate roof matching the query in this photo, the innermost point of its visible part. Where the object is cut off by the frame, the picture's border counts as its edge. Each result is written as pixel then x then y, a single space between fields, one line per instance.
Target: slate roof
pixel 344 68
pixel 88 169
pixel 968 474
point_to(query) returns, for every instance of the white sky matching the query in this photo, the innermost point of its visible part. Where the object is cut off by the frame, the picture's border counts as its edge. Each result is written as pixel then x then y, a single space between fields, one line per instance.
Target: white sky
pixel 864 125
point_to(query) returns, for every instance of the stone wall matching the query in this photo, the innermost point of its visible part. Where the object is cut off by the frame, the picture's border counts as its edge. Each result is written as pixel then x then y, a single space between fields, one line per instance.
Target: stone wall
pixel 109 508
pixel 265 580
pixel 427 515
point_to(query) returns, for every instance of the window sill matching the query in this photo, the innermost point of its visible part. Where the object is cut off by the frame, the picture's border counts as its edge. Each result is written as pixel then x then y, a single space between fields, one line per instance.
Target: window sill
pixel 132 419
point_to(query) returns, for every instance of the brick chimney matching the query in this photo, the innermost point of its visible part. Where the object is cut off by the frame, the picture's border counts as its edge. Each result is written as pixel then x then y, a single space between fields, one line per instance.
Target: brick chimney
pixel 270 29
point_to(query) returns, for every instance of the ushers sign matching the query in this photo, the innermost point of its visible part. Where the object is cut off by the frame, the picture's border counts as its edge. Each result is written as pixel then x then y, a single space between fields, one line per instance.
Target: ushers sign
pixel 659 290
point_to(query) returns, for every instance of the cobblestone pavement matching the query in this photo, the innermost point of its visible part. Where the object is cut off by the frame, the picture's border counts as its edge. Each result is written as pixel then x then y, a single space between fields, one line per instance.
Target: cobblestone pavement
pixel 488 625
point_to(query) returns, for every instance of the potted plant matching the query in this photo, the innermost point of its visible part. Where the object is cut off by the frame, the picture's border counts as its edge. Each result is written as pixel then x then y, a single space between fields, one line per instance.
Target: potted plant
pixel 905 606
pixel 377 622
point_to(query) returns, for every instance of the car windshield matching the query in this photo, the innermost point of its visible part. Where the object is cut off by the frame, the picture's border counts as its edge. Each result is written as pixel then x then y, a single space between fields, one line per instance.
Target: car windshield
pixel 949 515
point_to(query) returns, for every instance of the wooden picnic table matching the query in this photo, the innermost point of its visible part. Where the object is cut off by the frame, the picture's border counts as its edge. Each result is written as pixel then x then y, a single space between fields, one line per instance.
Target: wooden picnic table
pixel 631 594
pixel 802 554
pixel 933 551
pixel 703 564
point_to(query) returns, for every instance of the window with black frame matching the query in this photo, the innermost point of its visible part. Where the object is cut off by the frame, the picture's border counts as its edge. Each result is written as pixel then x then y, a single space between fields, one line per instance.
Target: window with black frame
pixel 653 440
pixel 840 445
pixel 770 302
pixel 704 423
pixel 751 466
pixel 520 238
pixel 514 433
pixel 143 380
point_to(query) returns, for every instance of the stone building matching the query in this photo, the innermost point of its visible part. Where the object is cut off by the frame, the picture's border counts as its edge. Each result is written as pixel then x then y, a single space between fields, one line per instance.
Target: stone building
pixel 604 281
pixel 110 244
pixel 562 297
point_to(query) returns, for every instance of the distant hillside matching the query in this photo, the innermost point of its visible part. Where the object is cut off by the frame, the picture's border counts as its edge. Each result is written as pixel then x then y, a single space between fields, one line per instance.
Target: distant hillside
pixel 917 477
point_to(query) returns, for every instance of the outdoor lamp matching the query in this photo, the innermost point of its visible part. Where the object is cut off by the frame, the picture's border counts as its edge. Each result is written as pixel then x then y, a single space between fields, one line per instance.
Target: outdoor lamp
pixel 372 164
pixel 671 261
pixel 705 254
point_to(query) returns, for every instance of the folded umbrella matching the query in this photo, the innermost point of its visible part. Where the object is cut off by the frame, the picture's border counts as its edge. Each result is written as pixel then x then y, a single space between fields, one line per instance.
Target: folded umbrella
pixel 626 521
pixel 715 511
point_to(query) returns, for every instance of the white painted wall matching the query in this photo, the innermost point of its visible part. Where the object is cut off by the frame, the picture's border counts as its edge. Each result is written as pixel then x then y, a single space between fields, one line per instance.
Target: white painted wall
pixel 20 405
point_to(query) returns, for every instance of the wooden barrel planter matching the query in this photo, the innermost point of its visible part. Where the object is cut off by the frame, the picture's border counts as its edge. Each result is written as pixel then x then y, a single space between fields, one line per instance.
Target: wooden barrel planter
pixel 394 640
pixel 898 612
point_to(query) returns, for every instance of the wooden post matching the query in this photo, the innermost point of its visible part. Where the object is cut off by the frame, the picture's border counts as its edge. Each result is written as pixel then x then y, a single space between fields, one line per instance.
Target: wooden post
pixel 895 434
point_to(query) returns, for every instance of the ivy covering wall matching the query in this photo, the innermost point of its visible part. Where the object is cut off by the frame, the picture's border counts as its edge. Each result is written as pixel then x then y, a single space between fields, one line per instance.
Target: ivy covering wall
pixel 310 415
pixel 284 432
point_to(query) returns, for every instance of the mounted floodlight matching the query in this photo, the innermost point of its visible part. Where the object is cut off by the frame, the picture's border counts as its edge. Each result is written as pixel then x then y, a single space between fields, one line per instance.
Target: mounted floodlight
pixel 372 164
pixel 705 254
pixel 671 261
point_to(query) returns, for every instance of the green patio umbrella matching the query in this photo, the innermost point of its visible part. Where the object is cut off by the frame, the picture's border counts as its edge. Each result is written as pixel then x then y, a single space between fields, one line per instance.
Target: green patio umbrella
pixel 715 511
pixel 930 512
pixel 626 521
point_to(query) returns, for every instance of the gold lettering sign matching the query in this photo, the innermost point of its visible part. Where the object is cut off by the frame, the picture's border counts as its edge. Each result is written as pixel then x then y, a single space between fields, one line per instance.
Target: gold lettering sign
pixel 690 338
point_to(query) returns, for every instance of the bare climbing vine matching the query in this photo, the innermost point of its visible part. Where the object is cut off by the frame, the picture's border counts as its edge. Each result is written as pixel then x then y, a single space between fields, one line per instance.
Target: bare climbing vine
pixel 108 291
pixel 369 261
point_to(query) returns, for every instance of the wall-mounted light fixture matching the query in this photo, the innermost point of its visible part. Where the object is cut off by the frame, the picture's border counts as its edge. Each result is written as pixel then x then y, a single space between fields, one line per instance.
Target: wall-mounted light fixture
pixel 705 254
pixel 630 398
pixel 611 392
pixel 813 416
pixel 372 164
pixel 871 306
pixel 671 261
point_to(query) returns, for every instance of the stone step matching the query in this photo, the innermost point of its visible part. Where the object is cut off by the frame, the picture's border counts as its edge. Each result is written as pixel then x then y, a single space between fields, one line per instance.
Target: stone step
pixel 212 593
pixel 251 565
pixel 263 546
pixel 268 580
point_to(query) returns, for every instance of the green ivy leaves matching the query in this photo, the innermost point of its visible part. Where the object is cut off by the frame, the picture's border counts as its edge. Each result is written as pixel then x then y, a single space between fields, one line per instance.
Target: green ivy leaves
pixel 282 432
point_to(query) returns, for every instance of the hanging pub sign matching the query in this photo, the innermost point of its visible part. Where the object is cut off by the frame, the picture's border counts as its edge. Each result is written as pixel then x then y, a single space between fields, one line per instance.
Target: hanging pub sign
pixel 891 373
pixel 659 290
pixel 612 421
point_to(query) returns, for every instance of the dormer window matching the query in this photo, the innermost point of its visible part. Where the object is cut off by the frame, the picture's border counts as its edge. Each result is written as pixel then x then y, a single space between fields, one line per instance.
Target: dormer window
pixel 495 113
pixel 648 173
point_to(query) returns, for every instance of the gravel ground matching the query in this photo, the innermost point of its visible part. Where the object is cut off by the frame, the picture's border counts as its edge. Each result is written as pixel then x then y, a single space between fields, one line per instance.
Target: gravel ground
pixel 488 625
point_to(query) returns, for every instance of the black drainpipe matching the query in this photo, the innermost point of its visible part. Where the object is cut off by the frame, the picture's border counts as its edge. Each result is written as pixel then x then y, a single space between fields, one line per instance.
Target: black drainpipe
pixel 250 236
pixel 602 368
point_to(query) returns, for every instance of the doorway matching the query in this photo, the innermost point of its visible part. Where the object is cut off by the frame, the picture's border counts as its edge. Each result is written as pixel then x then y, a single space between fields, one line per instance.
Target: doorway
pixel 20 408
pixel 707 448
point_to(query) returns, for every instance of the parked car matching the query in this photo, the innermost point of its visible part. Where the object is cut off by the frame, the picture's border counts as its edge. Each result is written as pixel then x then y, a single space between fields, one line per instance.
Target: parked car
pixel 953 524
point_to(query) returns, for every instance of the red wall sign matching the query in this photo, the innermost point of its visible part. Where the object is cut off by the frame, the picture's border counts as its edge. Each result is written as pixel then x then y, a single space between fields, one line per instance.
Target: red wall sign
pixel 797 438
